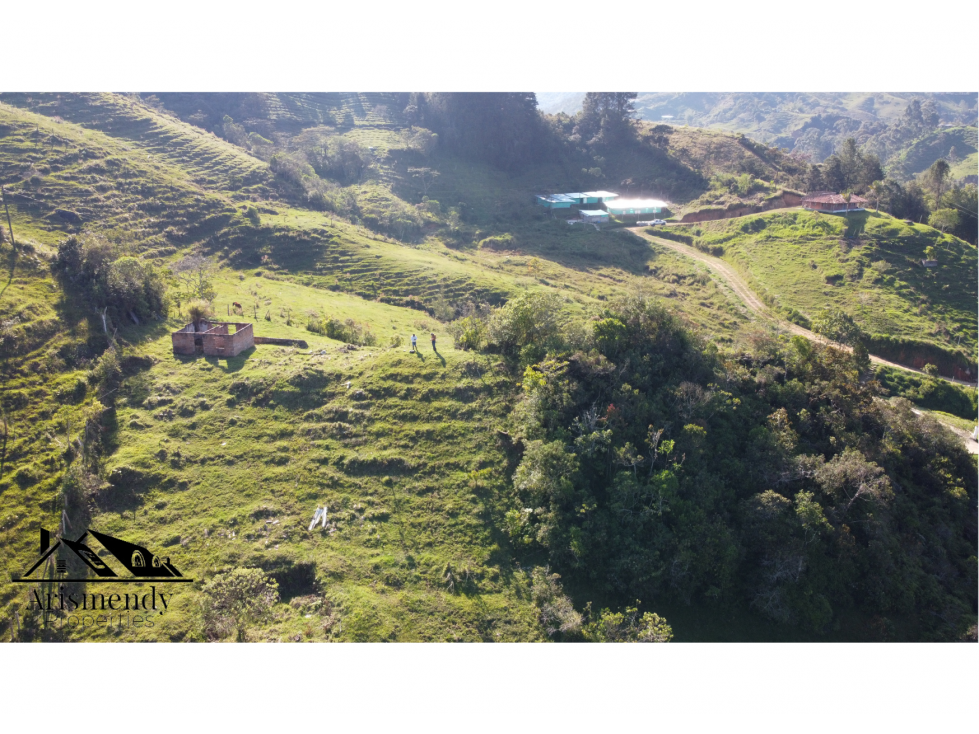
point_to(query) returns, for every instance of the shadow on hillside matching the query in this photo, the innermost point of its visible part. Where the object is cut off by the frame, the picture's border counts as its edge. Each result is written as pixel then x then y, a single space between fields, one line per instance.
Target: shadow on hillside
pixel 296 251
pixel 856 223
pixel 586 251
pixel 232 364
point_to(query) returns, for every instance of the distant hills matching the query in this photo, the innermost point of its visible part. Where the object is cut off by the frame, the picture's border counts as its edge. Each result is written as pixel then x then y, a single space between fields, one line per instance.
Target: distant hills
pixel 812 124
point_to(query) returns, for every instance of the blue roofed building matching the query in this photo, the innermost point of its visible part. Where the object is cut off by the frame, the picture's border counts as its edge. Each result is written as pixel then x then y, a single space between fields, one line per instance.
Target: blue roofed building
pixel 599 197
pixel 634 207
pixel 595 216
pixel 555 201
pixel 576 198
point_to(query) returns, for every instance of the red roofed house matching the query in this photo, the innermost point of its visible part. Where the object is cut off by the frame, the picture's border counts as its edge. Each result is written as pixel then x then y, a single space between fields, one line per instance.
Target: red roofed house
pixel 830 203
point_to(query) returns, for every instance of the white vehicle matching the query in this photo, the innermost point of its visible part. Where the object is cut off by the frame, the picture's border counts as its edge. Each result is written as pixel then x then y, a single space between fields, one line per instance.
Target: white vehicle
pixel 651 223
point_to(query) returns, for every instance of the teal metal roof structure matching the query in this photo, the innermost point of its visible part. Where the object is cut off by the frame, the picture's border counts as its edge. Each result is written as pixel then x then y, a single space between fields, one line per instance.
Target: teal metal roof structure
pixel 601 195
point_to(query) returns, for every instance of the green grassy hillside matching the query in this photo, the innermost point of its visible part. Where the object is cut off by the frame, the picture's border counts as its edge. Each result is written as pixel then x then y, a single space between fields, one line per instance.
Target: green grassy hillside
pixel 865 264
pixel 939 144
pixel 221 462
pixel 413 551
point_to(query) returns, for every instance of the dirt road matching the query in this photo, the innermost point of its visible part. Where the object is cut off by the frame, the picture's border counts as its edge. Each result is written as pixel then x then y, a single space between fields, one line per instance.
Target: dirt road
pixel 730 276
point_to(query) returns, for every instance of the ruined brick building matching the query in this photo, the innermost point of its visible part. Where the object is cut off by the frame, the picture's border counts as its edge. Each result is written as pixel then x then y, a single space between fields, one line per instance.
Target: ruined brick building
pixel 223 339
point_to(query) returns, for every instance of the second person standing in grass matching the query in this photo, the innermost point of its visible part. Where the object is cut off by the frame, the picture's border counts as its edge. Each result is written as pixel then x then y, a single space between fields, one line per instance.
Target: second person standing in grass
pixel 433 343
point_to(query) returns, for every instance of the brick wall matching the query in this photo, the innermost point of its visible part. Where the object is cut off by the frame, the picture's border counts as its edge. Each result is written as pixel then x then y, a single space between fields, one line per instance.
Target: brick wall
pixel 185 340
pixel 218 342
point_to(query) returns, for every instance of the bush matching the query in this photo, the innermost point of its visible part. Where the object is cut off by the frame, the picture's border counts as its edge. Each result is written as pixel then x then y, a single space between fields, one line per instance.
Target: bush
pixel 838 326
pixel 197 311
pixel 798 318
pixel 98 273
pixel 928 392
pixel 347 331
pixel 555 611
pixel 715 250
pixel 530 319
pixel 108 371
pixel 468 333
pixel 671 234
pixel 497 242
pixel 234 600
pixel 628 626
pixel 906 351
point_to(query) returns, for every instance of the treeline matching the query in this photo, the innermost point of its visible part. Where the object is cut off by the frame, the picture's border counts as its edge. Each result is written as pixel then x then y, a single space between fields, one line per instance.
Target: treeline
pixel 501 128
pixel 652 465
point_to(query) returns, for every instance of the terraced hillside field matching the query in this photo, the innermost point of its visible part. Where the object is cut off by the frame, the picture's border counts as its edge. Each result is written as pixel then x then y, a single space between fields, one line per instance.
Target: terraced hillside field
pixel 201 457
pixel 867 265
pixel 221 463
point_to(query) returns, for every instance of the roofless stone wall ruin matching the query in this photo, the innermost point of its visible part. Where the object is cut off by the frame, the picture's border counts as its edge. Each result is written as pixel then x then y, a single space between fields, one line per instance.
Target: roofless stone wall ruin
pixel 222 339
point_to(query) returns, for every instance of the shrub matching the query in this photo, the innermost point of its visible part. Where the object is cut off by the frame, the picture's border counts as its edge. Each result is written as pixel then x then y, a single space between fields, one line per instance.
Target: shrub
pixel 347 331
pixel 468 333
pixel 234 600
pixel 556 612
pixel 107 371
pixel 798 318
pixel 530 319
pixel 838 326
pixel 497 242
pixel 671 234
pixel 198 311
pixel 97 272
pixel 628 626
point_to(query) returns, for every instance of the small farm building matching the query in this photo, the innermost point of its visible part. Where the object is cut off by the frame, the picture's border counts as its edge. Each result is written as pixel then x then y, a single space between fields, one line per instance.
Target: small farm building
pixel 832 203
pixel 597 216
pixel 223 339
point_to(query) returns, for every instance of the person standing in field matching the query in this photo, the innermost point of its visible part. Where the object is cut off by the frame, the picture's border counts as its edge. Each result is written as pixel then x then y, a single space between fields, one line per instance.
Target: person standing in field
pixel 433 343
pixel 414 342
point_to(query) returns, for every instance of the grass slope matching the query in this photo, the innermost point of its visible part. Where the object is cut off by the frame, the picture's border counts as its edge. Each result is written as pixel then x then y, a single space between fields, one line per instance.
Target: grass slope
pixel 223 461
pixel 203 456
pixel 865 264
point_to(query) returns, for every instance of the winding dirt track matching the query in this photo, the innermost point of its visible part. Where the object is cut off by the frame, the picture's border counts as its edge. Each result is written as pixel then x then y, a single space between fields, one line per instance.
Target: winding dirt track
pixel 755 304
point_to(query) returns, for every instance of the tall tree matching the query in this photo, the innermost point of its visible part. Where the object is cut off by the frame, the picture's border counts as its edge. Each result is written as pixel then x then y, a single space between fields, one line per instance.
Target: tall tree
pixel 964 201
pixel 944 219
pixel 937 179
pixel 877 190
pixel 851 168
pixel 608 113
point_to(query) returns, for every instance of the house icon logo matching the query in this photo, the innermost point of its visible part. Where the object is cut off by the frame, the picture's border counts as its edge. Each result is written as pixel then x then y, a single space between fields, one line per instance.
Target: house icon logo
pixel 132 563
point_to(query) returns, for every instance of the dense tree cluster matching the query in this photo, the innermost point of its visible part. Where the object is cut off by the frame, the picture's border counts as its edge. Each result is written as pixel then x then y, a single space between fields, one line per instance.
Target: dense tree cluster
pixel 606 114
pixel 775 477
pixel 500 128
pixel 849 169
pixel 101 275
